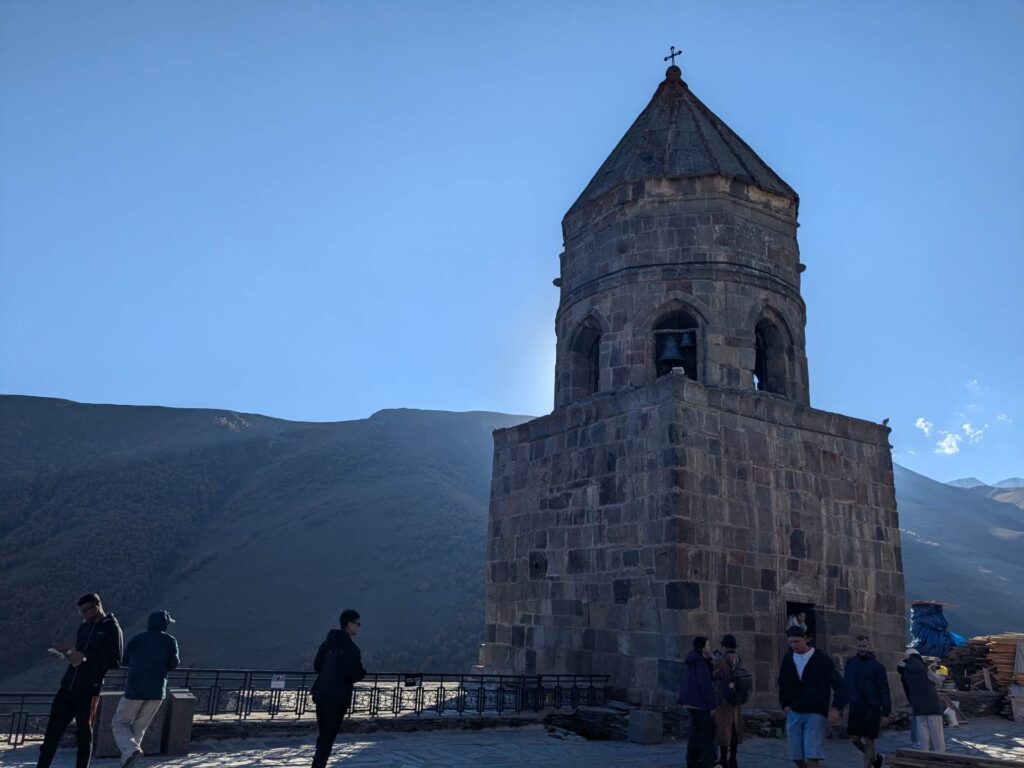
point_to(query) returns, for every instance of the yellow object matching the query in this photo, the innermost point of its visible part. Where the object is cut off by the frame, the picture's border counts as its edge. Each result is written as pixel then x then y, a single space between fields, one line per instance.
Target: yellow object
pixel 943 670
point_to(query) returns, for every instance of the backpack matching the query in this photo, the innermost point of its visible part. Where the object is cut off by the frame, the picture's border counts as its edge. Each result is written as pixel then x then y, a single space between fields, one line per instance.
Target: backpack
pixel 742 683
pixel 329 683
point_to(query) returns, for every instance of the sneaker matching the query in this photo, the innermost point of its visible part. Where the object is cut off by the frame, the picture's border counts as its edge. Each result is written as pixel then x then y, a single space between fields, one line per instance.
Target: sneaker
pixel 132 758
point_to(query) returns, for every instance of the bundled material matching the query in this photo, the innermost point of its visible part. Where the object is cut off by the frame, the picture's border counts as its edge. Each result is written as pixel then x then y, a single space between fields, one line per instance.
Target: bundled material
pixel 930 630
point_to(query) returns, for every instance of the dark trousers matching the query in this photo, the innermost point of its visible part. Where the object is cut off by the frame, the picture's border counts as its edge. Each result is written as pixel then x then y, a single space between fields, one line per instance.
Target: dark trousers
pixel 68 706
pixel 329 715
pixel 700 746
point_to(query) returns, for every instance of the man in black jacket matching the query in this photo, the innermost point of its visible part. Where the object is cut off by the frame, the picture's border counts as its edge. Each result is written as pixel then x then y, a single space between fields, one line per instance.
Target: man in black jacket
pixel 867 691
pixel 807 680
pixel 339 666
pixel 97 648
pixel 919 685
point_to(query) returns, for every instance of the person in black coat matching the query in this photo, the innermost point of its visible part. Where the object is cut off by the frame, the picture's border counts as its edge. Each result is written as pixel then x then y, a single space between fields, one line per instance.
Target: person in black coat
pixel 867 691
pixel 339 666
pixel 807 680
pixel 919 685
pixel 698 697
pixel 97 648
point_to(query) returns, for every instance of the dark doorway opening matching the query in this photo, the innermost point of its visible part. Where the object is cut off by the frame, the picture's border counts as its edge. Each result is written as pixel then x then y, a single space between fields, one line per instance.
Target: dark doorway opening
pixel 806 615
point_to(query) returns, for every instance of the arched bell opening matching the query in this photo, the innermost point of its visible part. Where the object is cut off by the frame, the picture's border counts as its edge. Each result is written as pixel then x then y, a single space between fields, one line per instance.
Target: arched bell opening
pixel 585 361
pixel 771 358
pixel 676 340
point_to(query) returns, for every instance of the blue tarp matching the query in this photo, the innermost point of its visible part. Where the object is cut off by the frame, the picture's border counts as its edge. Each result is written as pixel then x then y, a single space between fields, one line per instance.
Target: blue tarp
pixel 929 631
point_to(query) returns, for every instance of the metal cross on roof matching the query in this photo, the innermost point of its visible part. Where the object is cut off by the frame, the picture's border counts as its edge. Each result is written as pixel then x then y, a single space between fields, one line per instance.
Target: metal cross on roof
pixel 672 54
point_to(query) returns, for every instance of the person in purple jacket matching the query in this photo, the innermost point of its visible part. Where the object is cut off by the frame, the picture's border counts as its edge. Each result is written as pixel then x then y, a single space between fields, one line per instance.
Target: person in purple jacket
pixel 698 698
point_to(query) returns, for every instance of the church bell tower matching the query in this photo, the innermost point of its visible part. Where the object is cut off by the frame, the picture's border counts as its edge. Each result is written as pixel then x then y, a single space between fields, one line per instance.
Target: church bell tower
pixel 683 485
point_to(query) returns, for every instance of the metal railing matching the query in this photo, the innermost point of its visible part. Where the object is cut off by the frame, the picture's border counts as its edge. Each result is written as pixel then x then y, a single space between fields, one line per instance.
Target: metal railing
pixel 247 694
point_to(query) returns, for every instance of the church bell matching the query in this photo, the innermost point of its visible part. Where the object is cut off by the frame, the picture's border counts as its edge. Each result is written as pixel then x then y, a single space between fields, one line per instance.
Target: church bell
pixel 671 356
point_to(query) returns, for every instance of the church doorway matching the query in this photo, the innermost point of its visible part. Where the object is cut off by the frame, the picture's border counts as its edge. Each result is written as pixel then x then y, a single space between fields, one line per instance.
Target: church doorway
pixel 805 615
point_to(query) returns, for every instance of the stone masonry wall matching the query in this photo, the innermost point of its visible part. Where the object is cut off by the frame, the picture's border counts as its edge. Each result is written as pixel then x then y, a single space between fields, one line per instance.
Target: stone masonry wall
pixel 724 252
pixel 627 523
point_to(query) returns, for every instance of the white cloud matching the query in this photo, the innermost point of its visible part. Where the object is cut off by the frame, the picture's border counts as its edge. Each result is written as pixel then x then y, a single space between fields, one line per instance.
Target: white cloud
pixel 1004 418
pixel 973 385
pixel 911 453
pixel 924 425
pixel 974 433
pixel 949 445
pixel 971 405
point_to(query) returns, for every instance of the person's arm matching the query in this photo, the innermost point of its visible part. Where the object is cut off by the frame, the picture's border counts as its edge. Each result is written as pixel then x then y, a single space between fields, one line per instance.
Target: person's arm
pixel 127 655
pixel 318 662
pixel 173 658
pixel 835 681
pixel 783 697
pixel 109 654
pixel 883 687
pixel 358 672
pixel 707 690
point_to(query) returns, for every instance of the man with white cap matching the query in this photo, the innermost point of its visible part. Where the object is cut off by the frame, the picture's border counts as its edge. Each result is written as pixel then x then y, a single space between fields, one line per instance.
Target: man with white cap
pixel 150 655
pixel 919 685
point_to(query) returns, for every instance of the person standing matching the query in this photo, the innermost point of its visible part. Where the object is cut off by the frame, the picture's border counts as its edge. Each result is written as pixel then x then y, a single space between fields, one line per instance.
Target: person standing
pixel 97 648
pixel 808 681
pixel 919 685
pixel 698 697
pixel 732 689
pixel 339 666
pixel 867 692
pixel 150 655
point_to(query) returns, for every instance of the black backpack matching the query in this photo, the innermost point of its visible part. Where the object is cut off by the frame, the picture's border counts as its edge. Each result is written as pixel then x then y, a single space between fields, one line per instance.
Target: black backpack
pixel 742 683
pixel 329 683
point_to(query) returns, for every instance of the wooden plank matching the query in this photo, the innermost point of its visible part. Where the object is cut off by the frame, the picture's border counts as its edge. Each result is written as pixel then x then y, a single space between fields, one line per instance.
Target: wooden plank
pixel 912 758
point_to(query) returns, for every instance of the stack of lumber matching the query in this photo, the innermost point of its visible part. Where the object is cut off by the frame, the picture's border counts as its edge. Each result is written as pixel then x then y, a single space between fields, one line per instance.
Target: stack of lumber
pixel 911 758
pixel 1002 650
pixel 988 662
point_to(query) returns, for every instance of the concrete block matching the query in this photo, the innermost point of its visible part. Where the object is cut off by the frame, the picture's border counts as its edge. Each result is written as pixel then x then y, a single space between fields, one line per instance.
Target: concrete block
pixel 103 734
pixel 646 727
pixel 181 707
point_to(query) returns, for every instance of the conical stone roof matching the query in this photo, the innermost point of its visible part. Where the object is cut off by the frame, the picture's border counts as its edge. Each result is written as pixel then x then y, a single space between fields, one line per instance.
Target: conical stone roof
pixel 677 136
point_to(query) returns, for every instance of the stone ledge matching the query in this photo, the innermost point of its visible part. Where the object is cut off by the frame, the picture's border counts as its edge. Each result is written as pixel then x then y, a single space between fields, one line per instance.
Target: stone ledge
pixel 778 411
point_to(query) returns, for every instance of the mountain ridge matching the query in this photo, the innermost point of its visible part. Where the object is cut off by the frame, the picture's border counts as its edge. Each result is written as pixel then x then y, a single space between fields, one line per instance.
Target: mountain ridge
pixel 256 531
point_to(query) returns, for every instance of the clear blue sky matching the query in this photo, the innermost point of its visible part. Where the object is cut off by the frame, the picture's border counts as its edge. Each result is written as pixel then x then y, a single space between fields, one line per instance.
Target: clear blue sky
pixel 315 210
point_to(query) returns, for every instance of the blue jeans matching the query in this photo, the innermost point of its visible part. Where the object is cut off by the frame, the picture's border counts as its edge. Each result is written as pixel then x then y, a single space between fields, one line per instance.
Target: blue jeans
pixel 805 732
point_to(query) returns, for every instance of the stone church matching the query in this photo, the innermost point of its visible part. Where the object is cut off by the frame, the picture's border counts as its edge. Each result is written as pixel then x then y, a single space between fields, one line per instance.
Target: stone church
pixel 683 484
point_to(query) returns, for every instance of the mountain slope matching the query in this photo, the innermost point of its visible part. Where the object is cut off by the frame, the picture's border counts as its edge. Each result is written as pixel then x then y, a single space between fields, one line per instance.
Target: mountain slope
pixel 962 547
pixel 255 532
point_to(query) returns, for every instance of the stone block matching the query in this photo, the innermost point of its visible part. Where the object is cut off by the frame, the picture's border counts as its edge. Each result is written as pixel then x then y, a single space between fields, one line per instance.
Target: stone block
pixel 181 708
pixel 103 735
pixel 682 595
pixel 646 727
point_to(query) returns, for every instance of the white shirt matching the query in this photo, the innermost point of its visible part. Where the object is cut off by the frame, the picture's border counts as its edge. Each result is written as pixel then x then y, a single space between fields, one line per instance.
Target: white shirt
pixel 801 659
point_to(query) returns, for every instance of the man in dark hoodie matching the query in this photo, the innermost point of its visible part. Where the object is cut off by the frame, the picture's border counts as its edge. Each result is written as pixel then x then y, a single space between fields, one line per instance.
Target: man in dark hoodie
pixel 919 685
pixel 150 655
pixel 339 666
pixel 867 691
pixel 698 697
pixel 807 681
pixel 97 648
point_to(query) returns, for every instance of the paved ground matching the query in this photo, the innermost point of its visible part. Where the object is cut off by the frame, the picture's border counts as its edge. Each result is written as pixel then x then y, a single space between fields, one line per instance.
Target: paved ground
pixel 533 746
